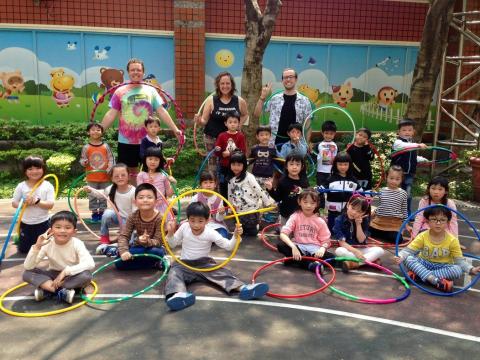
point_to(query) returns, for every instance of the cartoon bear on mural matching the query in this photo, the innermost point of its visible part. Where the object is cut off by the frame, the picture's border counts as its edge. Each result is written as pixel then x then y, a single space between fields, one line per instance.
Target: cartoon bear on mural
pixel 386 97
pixel 342 94
pixel 312 94
pixel 13 83
pixel 110 77
pixel 61 86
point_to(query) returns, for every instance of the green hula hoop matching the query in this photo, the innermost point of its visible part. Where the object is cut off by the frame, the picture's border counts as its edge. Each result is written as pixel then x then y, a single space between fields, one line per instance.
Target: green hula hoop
pixel 324 107
pixel 166 267
pixel 75 183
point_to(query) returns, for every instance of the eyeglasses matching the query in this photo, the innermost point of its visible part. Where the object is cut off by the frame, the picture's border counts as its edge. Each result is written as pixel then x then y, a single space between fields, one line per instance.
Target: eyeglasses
pixel 438 221
pixel 289 77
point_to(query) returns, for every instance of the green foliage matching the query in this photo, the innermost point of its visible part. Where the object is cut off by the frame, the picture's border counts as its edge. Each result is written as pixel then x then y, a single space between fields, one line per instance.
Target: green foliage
pixel 383 142
pixel 60 164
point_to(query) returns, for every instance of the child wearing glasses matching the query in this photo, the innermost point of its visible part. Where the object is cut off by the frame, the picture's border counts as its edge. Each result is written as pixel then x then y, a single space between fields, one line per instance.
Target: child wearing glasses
pixel 435 256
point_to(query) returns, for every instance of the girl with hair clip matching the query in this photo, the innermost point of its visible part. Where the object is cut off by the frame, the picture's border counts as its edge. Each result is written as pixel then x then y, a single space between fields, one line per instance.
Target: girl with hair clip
pixel 344 185
pixel 351 228
pixel 244 193
pixel 122 194
pixel 35 220
pixel 290 185
pixel 437 193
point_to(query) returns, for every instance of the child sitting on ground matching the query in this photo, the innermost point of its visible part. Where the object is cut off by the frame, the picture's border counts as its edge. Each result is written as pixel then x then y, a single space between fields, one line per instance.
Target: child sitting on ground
pixel 208 181
pixel 434 255
pixel 196 240
pixel 296 141
pixel 69 262
pixel 96 155
pixel 362 154
pixel 351 229
pixel 146 222
pixel 311 236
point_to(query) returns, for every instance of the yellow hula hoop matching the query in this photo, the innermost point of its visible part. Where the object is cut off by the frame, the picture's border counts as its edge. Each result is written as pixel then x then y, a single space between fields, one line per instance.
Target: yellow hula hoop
pixel 250 212
pixel 167 246
pixel 39 182
pixel 42 314
pixel 77 212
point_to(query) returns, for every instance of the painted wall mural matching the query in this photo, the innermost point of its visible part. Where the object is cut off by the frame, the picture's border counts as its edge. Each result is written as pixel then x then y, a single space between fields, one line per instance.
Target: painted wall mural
pixel 48 77
pixel 371 81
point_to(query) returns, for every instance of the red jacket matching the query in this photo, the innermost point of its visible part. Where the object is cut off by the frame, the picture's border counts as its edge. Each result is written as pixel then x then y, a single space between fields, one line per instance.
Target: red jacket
pixel 230 142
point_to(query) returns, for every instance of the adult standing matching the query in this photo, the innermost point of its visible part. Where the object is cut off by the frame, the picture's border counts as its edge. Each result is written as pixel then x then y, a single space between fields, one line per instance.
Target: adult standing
pixel 285 108
pixel 133 103
pixel 215 110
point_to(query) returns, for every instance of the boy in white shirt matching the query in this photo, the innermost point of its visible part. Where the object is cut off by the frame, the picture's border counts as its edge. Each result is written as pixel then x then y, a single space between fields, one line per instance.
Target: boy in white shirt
pixel 69 262
pixel 196 240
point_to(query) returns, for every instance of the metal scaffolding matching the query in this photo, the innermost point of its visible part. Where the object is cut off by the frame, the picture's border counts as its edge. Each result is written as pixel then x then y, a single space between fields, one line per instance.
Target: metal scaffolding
pixel 453 97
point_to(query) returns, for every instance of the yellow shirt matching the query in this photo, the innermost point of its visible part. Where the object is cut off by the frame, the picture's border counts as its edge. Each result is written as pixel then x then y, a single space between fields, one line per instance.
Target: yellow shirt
pixel 445 252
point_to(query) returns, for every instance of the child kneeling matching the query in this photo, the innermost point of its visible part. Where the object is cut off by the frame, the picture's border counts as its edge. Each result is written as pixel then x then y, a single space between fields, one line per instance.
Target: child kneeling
pixel 69 262
pixel 435 255
pixel 196 240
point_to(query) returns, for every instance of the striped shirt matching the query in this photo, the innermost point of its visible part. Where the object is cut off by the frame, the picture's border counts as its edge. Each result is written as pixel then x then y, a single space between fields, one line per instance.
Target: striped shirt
pixel 393 203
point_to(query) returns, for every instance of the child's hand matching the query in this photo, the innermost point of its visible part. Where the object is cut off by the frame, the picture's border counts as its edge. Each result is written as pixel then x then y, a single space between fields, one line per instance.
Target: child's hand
pixel 172 179
pixel 143 239
pixel 171 226
pixel 218 148
pixel 44 239
pixel 269 184
pixel 87 189
pixel 126 256
pixel 359 255
pixel 238 230
pixel 320 252
pixel 30 200
pixel 221 210
pixel 58 282
pixel 226 153
pixel 169 162
pixel 296 254
pixel 398 260
pixel 198 119
pixel 475 270
pixel 422 146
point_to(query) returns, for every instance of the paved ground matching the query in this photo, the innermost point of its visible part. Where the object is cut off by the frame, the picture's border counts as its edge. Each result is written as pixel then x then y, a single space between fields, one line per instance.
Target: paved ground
pixel 218 325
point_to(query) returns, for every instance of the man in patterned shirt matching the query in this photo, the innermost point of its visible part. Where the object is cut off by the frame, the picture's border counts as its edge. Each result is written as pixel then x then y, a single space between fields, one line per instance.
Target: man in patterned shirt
pixel 285 108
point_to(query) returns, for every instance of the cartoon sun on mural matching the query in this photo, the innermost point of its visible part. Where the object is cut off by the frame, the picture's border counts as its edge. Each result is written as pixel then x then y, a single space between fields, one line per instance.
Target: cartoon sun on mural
pixel 311 93
pixel 61 86
pixel 342 94
pixel 224 58
pixel 386 97
pixel 13 83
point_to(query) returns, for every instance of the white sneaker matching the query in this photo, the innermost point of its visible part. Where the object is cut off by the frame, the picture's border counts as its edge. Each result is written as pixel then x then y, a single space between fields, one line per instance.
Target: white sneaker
pixel 39 294
pixel 66 295
pixel 100 249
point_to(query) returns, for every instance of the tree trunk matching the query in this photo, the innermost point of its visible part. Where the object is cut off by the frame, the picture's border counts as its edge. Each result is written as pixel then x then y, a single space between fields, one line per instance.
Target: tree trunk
pixel 258 31
pixel 429 61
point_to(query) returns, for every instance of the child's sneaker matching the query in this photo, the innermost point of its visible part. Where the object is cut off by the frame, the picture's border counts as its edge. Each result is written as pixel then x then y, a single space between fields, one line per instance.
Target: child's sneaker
pixel 253 291
pixel 180 300
pixel 445 285
pixel 39 294
pixel 100 250
pixel 66 295
pixel 349 265
pixel 313 266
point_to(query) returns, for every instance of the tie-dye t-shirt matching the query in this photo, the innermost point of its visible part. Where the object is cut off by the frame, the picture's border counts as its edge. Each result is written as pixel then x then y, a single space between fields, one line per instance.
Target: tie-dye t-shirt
pixel 135 102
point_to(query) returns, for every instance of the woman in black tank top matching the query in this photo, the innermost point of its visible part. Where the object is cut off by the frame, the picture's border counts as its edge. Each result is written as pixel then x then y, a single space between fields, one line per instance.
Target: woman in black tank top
pixel 216 107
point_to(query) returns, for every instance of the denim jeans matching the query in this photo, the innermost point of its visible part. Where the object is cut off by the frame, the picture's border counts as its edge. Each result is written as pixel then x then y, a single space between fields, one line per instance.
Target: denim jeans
pixel 109 219
pixel 144 262
pixel 407 184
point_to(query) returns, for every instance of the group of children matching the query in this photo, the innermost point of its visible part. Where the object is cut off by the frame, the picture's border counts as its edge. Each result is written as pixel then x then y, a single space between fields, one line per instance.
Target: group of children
pixel 434 255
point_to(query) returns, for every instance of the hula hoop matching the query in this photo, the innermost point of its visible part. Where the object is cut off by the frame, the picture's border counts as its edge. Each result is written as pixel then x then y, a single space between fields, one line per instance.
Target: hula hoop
pixel 77 211
pixel 175 191
pixel 263 236
pixel 10 229
pixel 382 168
pixel 166 266
pixel 267 209
pixel 296 296
pixel 404 271
pixel 324 107
pixel 175 257
pixel 39 182
pixel 179 115
pixel 202 166
pixel 371 193
pixel 195 126
pixel 42 314
pixel 363 299
pixel 452 155
pixel 75 182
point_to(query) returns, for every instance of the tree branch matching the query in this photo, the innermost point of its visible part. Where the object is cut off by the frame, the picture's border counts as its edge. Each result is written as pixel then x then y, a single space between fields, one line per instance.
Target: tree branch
pixel 252 10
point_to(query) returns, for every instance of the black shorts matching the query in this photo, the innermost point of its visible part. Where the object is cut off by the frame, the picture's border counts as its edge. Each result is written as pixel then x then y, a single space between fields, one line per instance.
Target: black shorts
pixel 129 154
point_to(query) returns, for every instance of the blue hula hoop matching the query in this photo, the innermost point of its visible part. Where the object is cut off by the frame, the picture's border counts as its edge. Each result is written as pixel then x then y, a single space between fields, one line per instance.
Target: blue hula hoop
pixel 404 271
pixel 202 166
pixel 10 229
pixel 371 193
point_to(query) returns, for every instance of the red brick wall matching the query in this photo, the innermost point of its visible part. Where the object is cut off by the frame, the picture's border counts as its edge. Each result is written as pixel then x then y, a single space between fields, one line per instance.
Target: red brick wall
pixel 337 19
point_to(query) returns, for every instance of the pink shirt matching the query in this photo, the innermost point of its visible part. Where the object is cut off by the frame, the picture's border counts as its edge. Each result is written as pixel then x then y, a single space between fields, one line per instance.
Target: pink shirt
pixel 307 230
pixel 421 224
